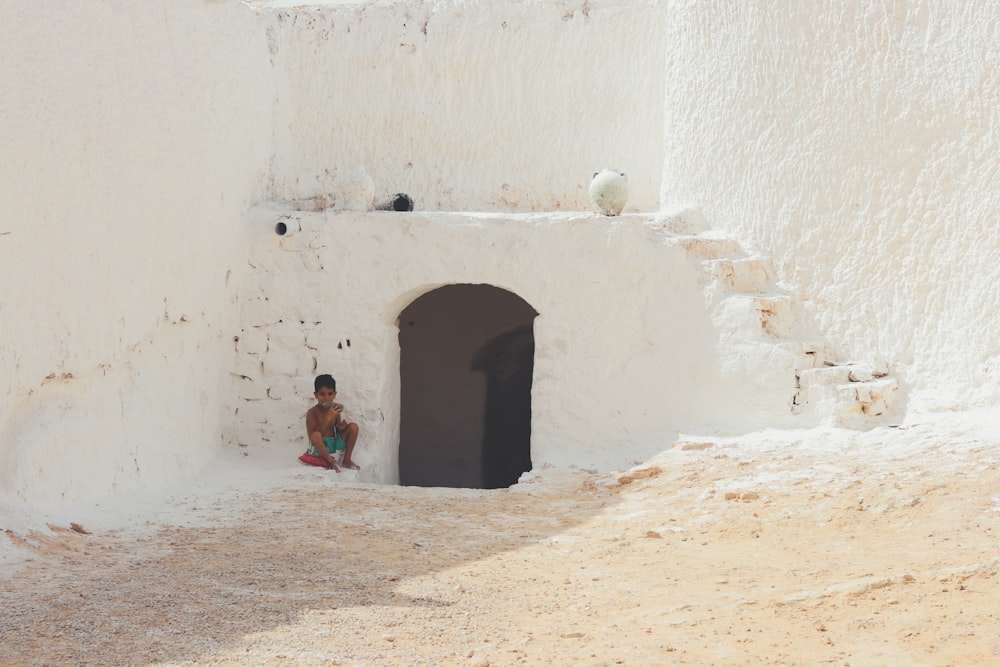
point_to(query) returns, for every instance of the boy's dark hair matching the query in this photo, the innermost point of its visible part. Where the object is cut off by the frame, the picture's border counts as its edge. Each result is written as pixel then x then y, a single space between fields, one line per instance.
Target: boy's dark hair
pixel 325 380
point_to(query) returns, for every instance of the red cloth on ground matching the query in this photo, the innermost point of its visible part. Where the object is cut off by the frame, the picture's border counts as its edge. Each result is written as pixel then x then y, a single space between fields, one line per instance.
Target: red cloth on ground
pixel 311 460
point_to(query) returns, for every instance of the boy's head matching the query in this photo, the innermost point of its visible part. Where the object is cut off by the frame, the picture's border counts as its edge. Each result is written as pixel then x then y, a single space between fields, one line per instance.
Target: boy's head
pixel 326 390
pixel 325 381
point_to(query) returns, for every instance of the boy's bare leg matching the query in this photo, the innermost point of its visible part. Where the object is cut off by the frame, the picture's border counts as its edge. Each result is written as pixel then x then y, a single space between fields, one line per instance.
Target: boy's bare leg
pixel 350 436
pixel 331 462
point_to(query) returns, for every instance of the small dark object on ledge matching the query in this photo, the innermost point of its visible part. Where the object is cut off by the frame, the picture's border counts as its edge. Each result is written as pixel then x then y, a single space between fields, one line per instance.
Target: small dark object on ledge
pixel 397 202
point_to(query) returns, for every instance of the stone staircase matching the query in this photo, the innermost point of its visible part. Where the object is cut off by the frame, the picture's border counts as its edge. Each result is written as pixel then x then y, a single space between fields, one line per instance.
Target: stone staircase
pixel 757 320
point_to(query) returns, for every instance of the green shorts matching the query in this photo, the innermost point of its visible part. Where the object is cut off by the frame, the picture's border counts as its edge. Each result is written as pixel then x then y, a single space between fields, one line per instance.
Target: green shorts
pixel 334 444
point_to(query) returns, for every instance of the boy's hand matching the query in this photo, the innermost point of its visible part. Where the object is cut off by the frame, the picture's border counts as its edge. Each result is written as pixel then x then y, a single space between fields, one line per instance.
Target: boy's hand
pixel 327 421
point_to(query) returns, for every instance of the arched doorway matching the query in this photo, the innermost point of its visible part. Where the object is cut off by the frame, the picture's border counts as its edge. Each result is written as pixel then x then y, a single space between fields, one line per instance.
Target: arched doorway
pixel 466 360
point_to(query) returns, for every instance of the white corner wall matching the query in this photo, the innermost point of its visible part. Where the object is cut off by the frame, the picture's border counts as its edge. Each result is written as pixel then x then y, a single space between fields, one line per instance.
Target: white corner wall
pixel 475 105
pixel 133 139
pixel 856 144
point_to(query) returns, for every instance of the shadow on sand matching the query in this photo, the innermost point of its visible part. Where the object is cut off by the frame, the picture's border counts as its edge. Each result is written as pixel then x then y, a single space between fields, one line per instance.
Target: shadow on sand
pixel 183 593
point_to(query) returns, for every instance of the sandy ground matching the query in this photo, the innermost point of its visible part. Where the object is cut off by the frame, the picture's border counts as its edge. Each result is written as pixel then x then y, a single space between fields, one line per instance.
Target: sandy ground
pixel 819 547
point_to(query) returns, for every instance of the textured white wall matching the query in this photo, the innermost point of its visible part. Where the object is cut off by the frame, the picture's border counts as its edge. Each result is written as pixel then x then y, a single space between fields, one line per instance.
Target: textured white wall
pixel 856 143
pixel 472 106
pixel 135 137
pixel 623 358
pixel 132 140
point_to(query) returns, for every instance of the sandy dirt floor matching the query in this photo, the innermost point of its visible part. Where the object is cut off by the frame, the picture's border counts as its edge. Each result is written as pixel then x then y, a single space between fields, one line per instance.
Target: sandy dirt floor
pixel 808 548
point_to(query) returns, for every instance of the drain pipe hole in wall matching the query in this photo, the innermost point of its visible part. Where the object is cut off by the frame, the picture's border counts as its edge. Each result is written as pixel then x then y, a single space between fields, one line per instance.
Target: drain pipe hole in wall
pixel 287 227
pixel 397 202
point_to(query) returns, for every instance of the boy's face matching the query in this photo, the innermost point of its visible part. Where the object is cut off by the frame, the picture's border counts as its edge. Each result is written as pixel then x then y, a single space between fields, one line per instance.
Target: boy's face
pixel 325 396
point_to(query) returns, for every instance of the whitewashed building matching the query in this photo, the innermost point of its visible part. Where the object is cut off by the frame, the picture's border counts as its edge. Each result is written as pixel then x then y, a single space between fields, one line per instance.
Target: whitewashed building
pixel 810 235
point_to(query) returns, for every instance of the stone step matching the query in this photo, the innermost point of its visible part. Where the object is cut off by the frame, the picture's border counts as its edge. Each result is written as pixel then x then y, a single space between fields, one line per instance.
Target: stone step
pixel 848 404
pixel 754 324
pixel 824 375
pixel 860 402
pixel 747 275
pixel 870 393
pixel 707 247
pixel 867 371
pixel 808 355
pixel 842 373
pixel 777 314
pixel 772 314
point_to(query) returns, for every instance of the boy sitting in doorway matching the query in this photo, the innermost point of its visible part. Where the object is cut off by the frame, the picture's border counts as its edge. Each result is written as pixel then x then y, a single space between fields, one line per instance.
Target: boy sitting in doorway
pixel 327 431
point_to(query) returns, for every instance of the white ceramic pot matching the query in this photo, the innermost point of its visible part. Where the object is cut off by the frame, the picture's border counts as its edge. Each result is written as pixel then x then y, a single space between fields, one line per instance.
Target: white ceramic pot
pixel 355 190
pixel 609 191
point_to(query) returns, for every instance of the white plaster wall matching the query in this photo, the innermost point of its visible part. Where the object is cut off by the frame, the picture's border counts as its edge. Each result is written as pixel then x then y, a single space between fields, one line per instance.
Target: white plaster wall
pixel 856 143
pixel 472 105
pixel 626 352
pixel 133 138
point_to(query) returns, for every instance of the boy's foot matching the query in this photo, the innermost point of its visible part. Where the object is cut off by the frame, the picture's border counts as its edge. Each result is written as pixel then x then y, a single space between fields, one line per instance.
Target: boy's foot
pixel 351 465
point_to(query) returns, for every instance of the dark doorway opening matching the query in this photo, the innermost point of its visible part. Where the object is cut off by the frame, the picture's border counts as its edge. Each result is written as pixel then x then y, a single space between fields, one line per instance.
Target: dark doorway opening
pixel 466 356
